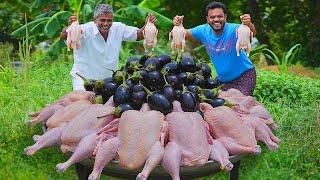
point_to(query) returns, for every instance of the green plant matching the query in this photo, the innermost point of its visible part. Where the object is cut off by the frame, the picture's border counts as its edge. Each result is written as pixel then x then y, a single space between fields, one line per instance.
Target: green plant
pixel 25 52
pixel 287 58
pixel 6 51
pixel 273 87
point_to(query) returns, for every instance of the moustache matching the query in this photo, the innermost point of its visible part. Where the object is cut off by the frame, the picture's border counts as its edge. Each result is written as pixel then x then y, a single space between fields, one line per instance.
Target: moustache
pixel 104 28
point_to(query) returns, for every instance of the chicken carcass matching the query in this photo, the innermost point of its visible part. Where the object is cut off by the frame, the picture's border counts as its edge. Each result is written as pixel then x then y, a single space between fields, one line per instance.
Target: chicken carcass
pixel 74 33
pixel 140 141
pixel 44 114
pixel 262 132
pixel 49 138
pixel 227 127
pixel 244 105
pixel 188 143
pixel 88 121
pixel 66 114
pixel 178 35
pixel 150 33
pixel 244 36
pixel 54 135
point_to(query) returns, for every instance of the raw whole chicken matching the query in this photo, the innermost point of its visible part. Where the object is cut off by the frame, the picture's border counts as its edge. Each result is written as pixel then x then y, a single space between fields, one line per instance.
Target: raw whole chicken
pixel 49 138
pixel 178 35
pixel 84 150
pixel 74 33
pixel 244 105
pixel 244 36
pixel 140 141
pixel 150 33
pixel 44 114
pixel 262 132
pixel 90 117
pixel 66 114
pixel 188 143
pixel 227 127
pixel 89 121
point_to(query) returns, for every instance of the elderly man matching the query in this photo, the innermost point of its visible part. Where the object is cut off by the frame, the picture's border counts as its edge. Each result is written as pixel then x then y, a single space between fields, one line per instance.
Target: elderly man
pixel 219 39
pixel 100 45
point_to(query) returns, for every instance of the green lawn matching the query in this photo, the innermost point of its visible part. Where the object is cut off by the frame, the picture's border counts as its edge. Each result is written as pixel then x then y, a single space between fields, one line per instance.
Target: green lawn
pixel 297 158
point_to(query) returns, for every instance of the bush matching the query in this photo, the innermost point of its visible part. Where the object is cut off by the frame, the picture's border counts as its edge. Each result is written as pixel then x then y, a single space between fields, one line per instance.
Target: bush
pixel 274 87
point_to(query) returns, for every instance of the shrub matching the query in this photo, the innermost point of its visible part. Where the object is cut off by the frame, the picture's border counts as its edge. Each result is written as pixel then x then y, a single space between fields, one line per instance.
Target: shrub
pixel 274 87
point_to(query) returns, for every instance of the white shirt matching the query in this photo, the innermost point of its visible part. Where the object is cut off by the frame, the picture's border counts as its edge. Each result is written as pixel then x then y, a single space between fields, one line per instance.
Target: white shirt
pixel 95 55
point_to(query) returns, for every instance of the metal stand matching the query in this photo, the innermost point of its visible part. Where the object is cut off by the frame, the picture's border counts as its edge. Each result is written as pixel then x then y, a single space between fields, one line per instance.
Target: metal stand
pixel 234 173
pixel 83 172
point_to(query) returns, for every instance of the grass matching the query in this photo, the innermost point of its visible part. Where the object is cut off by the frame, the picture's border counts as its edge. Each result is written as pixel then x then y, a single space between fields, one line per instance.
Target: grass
pixel 297 158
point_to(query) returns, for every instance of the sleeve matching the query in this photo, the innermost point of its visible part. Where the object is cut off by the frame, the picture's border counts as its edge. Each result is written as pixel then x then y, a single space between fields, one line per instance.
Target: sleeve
pixel 129 33
pixel 197 33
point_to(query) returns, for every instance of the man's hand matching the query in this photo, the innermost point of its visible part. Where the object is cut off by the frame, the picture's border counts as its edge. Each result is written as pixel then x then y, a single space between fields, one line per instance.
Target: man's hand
pixel 245 19
pixel 63 34
pixel 72 19
pixel 177 20
pixel 151 18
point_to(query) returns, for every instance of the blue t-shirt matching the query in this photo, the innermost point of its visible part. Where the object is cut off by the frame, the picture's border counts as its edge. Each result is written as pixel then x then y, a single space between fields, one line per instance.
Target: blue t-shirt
pixel 222 50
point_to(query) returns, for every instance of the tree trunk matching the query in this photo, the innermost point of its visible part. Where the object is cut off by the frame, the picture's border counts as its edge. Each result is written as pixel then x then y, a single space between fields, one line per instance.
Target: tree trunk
pixel 256 16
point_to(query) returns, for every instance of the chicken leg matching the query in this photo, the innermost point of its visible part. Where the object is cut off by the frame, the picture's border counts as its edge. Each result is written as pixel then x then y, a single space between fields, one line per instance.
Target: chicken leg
pixel 171 160
pixel 106 152
pixel 82 151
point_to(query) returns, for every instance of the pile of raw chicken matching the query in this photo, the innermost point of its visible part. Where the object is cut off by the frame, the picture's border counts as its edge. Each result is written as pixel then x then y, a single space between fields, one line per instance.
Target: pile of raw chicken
pixel 162 130
pixel 147 137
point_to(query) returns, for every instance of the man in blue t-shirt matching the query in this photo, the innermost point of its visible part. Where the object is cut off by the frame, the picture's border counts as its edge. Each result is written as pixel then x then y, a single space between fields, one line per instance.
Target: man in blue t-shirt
pixel 219 38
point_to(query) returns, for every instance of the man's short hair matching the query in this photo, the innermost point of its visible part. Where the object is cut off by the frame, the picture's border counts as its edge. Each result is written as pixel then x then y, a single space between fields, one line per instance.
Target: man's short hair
pixel 215 5
pixel 102 9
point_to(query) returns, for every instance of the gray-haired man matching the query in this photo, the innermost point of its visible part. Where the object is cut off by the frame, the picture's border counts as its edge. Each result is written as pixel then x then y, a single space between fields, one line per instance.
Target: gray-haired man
pixel 100 45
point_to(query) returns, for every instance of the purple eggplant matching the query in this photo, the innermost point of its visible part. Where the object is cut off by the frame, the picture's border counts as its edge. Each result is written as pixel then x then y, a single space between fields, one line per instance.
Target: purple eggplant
pixel 187 64
pixel 164 59
pixel 121 108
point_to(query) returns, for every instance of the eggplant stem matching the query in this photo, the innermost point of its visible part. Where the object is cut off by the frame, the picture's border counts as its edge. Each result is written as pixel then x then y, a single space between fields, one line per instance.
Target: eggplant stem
pixel 203 98
pixel 124 83
pixel 83 78
pixel 228 104
pixel 110 70
pixel 146 89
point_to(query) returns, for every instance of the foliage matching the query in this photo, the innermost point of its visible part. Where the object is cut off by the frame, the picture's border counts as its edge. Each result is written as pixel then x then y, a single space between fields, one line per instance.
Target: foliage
pixel 285 61
pixel 6 50
pixel 46 83
pixel 273 88
pixel 286 23
pixel 49 24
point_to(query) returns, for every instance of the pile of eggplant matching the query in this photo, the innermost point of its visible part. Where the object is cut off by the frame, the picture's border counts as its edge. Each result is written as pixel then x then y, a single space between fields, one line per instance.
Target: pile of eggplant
pixel 158 80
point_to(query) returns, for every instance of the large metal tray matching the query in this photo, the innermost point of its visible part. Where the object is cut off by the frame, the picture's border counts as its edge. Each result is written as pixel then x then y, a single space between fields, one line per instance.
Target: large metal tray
pixel 186 172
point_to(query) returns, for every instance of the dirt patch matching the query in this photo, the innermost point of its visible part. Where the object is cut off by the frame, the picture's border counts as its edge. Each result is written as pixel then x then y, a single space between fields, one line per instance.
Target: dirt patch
pixel 297 70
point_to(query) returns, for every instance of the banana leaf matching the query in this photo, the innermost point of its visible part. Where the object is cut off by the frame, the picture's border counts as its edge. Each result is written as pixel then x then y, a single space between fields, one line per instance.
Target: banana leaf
pixel 150 4
pixel 55 23
pixel 21 32
pixel 57 46
pixel 141 13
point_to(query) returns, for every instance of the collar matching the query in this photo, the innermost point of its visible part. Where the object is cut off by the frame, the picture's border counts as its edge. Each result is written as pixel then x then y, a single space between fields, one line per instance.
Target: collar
pixel 95 29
